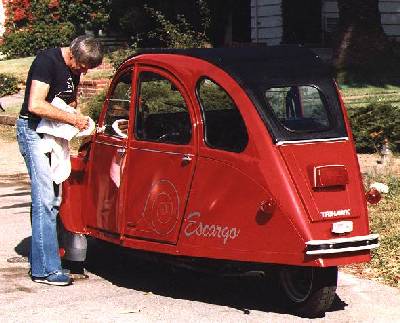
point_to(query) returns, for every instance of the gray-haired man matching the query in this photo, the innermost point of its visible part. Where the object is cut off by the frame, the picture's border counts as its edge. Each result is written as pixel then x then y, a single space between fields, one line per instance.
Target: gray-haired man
pixel 55 72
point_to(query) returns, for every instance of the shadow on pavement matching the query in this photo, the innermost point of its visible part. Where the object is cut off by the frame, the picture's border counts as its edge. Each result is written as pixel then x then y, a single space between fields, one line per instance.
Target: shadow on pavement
pixel 23 247
pixel 124 268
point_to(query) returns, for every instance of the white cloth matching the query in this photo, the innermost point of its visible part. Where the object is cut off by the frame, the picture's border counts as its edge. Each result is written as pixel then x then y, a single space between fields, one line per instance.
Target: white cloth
pixel 60 157
pixel 56 137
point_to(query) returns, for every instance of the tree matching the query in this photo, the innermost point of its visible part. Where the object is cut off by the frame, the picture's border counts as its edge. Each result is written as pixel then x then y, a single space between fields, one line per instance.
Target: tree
pixel 361 46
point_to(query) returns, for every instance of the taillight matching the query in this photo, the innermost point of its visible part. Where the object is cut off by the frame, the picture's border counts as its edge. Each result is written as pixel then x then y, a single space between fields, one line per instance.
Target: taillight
pixel 330 175
pixel 373 196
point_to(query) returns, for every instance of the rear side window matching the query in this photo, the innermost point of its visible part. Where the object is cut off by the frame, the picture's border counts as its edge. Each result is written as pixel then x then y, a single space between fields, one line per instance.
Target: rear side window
pixel 299 108
pixel 224 126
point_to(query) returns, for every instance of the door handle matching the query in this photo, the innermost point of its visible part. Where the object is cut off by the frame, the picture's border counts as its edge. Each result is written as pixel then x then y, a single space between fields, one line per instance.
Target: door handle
pixel 186 159
pixel 121 151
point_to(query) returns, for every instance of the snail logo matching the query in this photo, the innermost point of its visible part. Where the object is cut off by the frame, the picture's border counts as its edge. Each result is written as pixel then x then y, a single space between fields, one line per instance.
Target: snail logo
pixel 162 207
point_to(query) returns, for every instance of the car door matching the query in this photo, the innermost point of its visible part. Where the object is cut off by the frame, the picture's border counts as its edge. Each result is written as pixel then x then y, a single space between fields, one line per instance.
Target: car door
pixel 108 156
pixel 161 158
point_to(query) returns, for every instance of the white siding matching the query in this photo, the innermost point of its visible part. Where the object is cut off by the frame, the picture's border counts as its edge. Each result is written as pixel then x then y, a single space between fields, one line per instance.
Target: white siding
pixel 390 17
pixel 266 21
pixel 2 18
pixel 267 25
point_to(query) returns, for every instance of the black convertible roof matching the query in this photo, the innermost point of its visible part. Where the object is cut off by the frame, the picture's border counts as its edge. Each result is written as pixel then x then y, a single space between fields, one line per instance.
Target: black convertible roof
pixel 254 65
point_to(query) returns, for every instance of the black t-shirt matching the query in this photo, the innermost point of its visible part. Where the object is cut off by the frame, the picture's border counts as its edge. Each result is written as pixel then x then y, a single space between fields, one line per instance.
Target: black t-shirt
pixel 49 67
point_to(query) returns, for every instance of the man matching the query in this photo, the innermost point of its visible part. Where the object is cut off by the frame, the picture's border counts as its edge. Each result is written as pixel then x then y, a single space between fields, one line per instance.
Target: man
pixel 54 73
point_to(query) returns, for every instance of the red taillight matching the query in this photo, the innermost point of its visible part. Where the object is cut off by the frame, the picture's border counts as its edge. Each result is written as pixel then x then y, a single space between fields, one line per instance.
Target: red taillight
pixel 330 175
pixel 265 211
pixel 373 196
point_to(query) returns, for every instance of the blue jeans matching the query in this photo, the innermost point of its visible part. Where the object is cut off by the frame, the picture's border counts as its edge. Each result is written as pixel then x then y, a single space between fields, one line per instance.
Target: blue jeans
pixel 44 255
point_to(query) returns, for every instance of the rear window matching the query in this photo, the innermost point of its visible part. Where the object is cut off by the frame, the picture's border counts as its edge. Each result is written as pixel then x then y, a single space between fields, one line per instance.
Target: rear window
pixel 299 108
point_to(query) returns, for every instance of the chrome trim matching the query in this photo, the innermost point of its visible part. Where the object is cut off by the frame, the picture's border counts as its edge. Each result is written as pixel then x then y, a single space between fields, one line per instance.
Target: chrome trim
pixel 310 141
pixel 339 245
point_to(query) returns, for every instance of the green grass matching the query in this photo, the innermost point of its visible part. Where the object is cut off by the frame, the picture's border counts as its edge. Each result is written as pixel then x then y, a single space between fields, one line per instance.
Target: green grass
pixel 18 67
pixel 362 96
pixel 385 220
pixel 12 110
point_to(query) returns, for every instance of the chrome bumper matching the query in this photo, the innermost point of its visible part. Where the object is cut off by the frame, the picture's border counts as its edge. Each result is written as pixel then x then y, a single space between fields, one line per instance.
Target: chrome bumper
pixel 339 245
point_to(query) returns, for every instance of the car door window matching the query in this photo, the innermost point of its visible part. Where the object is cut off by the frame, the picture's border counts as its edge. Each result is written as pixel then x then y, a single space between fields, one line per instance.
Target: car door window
pixel 117 113
pixel 161 112
pixel 224 126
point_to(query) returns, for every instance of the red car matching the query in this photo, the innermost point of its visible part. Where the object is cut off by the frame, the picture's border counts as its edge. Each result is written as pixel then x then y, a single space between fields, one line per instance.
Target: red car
pixel 242 155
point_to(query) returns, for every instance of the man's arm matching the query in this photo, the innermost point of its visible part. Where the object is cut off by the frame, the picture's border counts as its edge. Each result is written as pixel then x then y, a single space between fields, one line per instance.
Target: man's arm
pixel 38 105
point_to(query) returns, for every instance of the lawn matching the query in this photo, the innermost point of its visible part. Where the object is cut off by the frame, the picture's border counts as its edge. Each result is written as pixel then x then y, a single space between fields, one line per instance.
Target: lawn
pixel 17 67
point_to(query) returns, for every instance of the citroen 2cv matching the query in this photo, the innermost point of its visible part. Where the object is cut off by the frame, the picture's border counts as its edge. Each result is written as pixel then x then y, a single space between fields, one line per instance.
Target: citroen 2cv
pixel 235 156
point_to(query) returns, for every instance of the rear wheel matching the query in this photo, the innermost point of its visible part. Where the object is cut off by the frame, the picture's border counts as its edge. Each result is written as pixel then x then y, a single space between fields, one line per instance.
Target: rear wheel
pixel 308 291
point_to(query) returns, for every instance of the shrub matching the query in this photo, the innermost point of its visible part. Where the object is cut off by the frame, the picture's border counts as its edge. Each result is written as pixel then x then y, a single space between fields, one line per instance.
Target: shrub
pixel 38 24
pixel 118 56
pixel 8 85
pixel 374 123
pixel 95 105
pixel 179 34
pixel 26 42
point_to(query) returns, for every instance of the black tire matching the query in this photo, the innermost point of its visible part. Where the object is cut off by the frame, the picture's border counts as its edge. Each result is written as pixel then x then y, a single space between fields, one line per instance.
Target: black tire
pixel 307 291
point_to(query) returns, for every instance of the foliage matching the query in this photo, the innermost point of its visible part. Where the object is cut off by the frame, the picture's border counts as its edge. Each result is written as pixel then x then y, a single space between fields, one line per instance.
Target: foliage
pixel 39 24
pixel 374 123
pixel 86 14
pixel 179 34
pixel 8 85
pixel 95 104
pixel 26 42
pixel 118 56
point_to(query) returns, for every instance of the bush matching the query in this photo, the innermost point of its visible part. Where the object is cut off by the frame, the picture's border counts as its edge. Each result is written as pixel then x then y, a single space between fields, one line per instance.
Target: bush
pixel 118 56
pixel 374 123
pixel 26 42
pixel 95 105
pixel 179 34
pixel 9 85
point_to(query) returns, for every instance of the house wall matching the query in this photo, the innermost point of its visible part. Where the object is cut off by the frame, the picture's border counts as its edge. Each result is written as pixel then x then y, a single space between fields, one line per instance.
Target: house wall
pixel 2 17
pixel 266 21
pixel 390 17
pixel 267 24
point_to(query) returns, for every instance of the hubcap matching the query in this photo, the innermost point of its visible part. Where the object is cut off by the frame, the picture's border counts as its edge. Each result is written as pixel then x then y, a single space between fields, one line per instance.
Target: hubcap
pixel 297 282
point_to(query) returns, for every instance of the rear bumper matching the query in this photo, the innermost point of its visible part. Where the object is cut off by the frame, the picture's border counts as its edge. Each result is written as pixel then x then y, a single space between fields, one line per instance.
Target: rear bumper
pixel 340 245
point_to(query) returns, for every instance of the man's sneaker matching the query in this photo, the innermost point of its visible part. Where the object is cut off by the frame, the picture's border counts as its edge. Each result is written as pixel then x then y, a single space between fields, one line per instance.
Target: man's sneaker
pixel 56 279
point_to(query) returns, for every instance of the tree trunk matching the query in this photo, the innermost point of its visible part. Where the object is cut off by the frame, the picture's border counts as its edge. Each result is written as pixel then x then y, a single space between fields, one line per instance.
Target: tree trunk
pixel 361 41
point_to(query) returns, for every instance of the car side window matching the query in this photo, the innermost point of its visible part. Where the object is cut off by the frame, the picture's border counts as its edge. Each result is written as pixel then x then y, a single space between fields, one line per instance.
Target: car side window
pixel 224 126
pixel 117 114
pixel 161 112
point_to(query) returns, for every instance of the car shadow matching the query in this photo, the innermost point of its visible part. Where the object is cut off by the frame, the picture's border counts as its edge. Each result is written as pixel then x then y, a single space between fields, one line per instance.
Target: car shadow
pixel 127 268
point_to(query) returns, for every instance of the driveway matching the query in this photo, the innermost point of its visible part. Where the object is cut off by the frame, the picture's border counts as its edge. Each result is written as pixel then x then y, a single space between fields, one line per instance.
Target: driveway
pixel 124 288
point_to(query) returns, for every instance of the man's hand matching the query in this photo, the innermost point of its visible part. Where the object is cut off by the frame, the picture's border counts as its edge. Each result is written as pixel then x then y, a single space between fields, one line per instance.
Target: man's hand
pixel 81 122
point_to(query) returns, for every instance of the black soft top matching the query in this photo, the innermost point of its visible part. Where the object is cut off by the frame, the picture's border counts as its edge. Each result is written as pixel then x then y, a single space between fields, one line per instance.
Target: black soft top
pixel 269 65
